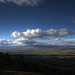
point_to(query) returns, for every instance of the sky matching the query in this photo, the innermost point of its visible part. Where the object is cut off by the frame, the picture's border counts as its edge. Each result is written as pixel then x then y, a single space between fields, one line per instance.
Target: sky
pixel 37 22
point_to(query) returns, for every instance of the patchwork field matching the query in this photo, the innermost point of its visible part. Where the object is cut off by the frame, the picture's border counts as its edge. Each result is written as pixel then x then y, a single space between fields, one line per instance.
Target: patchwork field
pixel 47 52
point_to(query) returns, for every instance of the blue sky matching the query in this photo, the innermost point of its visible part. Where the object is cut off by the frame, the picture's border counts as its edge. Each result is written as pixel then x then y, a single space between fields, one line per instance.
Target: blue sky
pixel 21 15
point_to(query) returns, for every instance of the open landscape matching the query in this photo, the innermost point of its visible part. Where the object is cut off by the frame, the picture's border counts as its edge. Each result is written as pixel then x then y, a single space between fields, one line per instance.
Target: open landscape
pixel 37 37
pixel 38 62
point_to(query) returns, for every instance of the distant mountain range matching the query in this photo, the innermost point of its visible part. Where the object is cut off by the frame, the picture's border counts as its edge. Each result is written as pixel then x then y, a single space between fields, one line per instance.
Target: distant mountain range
pixel 36 47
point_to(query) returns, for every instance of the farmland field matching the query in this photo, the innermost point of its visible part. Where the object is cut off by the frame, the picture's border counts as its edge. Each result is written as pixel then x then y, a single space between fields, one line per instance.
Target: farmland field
pixel 38 62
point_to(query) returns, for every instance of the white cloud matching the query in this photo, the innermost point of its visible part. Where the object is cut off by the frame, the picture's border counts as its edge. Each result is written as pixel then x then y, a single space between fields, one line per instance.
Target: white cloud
pixel 4 42
pixel 23 2
pixel 40 34
pixel 24 42
pixel 57 41
pixel 27 38
pixel 28 43
pixel 70 39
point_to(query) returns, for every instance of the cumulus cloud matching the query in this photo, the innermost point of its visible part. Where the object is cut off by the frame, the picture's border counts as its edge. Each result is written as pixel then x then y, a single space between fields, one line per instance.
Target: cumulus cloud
pixel 40 34
pixel 61 42
pixel 31 44
pixel 4 42
pixel 26 39
pixel 23 2
pixel 24 42
pixel 57 41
